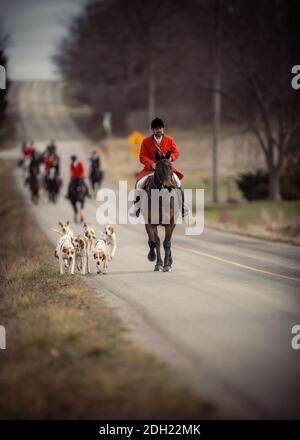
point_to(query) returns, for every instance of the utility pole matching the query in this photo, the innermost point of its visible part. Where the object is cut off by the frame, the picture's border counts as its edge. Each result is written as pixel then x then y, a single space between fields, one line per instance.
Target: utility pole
pixel 216 103
pixel 151 92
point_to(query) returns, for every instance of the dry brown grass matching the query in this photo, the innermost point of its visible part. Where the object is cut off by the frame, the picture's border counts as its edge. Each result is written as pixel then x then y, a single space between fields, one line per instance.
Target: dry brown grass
pixel 68 355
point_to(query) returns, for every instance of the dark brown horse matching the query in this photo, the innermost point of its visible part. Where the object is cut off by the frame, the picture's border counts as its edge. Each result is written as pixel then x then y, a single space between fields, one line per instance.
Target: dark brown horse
pixel 34 184
pixel 162 180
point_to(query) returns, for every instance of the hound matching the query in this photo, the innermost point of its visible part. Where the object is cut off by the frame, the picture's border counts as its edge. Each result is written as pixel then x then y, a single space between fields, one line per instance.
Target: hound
pixel 111 241
pixel 66 229
pixel 100 254
pixel 90 235
pixel 65 252
pixel 81 255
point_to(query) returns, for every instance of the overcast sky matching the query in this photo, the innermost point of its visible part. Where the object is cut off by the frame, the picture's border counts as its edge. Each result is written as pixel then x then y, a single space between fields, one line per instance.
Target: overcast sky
pixel 35 28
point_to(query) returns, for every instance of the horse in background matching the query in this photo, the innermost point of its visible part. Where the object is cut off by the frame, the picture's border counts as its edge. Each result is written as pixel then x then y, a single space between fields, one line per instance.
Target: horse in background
pixel 96 176
pixel 33 181
pixel 77 194
pixel 53 184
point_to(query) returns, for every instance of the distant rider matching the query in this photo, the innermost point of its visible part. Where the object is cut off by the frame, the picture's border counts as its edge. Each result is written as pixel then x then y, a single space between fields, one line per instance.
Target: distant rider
pixel 95 160
pixel 34 165
pixel 28 150
pixel 77 175
pixel 51 160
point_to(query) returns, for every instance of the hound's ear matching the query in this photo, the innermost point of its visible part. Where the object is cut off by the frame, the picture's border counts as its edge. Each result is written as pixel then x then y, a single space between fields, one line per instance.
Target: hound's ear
pixel 168 155
pixel 68 223
pixel 85 224
pixel 60 224
pixel 81 243
pixel 157 156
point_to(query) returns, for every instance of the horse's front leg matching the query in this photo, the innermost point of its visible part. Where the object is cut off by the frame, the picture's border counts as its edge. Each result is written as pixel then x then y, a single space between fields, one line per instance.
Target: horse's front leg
pixel 167 247
pixel 151 242
pixel 81 211
pixel 159 263
pixel 75 211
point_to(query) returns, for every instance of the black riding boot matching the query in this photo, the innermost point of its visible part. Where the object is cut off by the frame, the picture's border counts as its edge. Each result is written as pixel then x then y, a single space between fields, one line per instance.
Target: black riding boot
pixel 134 210
pixel 138 210
pixel 184 208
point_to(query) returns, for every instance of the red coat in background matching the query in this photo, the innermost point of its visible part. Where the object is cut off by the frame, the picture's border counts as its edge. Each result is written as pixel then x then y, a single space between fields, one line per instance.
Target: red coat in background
pixel 77 170
pixel 148 150
pixel 28 152
pixel 50 161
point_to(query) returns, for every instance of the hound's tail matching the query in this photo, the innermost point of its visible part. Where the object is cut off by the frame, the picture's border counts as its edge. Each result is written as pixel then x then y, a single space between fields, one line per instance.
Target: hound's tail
pixel 55 230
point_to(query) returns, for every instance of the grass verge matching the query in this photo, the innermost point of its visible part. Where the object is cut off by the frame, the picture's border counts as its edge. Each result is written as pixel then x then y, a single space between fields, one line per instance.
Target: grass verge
pixel 272 220
pixel 68 355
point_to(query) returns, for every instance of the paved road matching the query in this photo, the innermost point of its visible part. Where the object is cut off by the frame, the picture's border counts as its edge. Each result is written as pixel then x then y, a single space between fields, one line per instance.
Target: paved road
pixel 221 320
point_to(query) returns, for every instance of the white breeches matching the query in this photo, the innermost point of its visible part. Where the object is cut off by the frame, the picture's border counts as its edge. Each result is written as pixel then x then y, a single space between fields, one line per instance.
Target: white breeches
pixel 141 182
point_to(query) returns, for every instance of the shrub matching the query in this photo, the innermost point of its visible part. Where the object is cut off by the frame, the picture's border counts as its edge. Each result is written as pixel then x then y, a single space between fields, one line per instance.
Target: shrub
pixel 254 186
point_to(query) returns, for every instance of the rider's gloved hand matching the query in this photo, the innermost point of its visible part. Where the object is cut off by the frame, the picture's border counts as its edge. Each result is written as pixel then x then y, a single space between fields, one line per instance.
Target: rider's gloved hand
pixel 153 165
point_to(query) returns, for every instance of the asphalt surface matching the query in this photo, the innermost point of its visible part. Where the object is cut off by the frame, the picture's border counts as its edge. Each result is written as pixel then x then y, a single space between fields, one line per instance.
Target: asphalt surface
pixel 221 319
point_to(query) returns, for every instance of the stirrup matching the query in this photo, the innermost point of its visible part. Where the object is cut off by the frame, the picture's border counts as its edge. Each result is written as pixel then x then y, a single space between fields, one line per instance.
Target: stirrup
pixel 134 212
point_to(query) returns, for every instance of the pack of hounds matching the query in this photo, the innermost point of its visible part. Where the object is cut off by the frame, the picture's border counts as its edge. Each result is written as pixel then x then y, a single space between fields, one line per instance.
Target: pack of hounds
pixel 77 251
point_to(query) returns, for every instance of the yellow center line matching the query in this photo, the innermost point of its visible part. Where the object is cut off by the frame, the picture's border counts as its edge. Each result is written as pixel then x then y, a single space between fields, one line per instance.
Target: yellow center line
pixel 234 263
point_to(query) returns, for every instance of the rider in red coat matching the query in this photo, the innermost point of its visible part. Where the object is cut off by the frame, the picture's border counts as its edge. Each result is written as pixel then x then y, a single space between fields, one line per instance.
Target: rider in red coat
pixel 51 159
pixel 158 142
pixel 77 170
pixel 77 174
pixel 161 143
pixel 28 151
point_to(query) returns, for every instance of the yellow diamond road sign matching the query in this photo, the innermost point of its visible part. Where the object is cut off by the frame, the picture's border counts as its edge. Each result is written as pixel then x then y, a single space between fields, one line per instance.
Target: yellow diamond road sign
pixel 135 140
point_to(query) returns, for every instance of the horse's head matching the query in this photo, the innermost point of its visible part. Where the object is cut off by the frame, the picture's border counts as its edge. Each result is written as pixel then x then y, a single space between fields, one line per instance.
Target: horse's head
pixel 163 171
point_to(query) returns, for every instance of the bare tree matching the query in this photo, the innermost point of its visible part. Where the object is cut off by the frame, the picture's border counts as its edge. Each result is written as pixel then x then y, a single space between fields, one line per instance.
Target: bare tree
pixel 262 38
pixel 125 55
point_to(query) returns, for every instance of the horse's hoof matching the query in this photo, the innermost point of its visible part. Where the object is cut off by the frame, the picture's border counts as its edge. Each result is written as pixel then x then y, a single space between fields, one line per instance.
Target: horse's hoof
pixel 151 256
pixel 167 269
pixel 158 268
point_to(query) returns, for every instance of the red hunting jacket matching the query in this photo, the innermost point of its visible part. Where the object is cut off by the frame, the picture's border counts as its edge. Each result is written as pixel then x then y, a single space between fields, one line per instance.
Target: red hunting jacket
pixel 148 150
pixel 77 171
pixel 28 152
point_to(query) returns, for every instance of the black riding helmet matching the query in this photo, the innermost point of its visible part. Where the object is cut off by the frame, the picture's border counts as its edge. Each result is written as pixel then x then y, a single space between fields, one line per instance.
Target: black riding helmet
pixel 157 123
pixel 73 158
